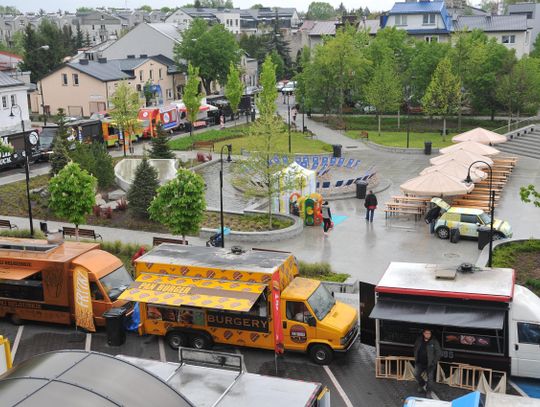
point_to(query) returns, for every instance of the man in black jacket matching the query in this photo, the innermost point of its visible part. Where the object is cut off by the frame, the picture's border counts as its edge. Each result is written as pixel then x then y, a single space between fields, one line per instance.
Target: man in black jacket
pixel 370 204
pixel 427 353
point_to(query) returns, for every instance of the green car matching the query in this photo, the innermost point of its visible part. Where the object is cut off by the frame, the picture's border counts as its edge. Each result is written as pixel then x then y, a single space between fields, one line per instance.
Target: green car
pixel 467 220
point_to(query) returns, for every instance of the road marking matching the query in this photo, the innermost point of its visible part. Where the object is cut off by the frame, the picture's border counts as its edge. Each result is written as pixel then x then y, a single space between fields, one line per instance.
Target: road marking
pixel 338 387
pixel 16 342
pixel 161 347
pixel 88 342
pixel 518 389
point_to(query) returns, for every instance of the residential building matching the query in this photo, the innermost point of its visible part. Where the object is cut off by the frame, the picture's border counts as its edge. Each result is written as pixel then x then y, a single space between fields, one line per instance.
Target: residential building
pixel 512 31
pixel 532 12
pixel 100 26
pixel 83 87
pixel 13 92
pixel 425 20
pixel 249 69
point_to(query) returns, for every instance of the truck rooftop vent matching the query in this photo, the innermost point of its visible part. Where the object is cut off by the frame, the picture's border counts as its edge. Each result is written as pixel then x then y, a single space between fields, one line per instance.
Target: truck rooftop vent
pixel 466 268
pixel 446 273
pixel 27 247
pixel 237 250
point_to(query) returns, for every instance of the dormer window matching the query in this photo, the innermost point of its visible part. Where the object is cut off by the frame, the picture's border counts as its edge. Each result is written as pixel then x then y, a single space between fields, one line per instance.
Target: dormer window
pixel 401 19
pixel 429 19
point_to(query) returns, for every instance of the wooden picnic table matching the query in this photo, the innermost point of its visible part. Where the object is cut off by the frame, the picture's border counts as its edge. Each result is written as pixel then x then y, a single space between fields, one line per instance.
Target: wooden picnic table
pixel 410 199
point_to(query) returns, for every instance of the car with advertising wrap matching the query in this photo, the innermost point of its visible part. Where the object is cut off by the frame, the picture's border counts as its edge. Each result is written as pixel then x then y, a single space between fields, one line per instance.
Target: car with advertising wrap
pixel 467 220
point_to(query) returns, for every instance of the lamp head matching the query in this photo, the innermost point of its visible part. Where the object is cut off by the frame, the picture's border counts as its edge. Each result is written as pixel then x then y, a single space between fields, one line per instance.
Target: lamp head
pixel 229 150
pixel 468 180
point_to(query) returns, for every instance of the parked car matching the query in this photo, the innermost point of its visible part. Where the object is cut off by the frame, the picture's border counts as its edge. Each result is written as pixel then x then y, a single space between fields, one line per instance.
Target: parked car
pixel 467 220
pixel 280 85
pixel 289 88
pixel 251 90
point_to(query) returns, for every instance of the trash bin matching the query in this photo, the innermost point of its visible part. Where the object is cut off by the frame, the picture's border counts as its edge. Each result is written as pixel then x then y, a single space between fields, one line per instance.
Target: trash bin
pixel 427 147
pixel 336 148
pixel 361 188
pixel 454 235
pixel 483 236
pixel 114 322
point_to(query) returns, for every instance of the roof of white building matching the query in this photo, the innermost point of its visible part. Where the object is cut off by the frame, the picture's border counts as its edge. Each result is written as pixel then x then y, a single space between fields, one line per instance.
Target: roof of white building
pixel 492 23
pixel 7 81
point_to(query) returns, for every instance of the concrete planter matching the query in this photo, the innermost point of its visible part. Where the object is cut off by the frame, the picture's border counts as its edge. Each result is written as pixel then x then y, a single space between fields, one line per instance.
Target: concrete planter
pixel 399 150
pixel 252 237
pixel 484 255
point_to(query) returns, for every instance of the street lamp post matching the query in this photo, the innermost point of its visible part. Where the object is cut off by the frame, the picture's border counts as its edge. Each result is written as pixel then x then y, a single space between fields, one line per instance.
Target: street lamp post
pixel 45 48
pixel 27 152
pixel 303 113
pixel 468 180
pixel 289 120
pixel 229 149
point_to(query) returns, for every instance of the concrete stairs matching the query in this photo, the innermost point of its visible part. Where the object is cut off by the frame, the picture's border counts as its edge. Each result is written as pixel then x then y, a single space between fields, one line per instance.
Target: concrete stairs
pixel 527 145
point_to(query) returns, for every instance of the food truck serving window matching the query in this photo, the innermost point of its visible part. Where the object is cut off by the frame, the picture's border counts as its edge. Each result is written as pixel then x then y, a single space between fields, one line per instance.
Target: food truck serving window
pixel 197 292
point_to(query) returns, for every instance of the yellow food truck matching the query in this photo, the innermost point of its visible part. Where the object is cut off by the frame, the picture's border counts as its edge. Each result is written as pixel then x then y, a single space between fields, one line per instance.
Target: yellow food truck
pixel 60 283
pixel 198 296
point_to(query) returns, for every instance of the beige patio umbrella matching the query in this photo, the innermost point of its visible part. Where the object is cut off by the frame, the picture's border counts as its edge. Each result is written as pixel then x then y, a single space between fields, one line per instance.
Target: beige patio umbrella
pixel 480 135
pixel 463 156
pixel 436 183
pixel 472 146
pixel 457 170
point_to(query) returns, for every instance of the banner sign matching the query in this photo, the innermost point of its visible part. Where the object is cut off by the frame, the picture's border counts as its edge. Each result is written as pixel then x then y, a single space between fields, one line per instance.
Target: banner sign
pixel 235 321
pixel 276 313
pixel 84 315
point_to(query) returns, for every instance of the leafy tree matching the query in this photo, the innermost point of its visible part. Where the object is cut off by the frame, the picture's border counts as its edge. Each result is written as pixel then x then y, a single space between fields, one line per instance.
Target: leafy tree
pixel 145 8
pixel 391 42
pixel 125 102
pixel 529 194
pixel 9 10
pixel 60 145
pixel 256 6
pixel 443 95
pixel 254 46
pixel 535 53
pixel 211 49
pixel 79 38
pixel 160 144
pixel 279 64
pixel 385 90
pixel 180 203
pixel 84 9
pixel 148 93
pixel 234 89
pixel 192 97
pixel 87 41
pixel 143 190
pixel 72 194
pixel 266 99
pixel 276 42
pixel 320 10
pixel 95 159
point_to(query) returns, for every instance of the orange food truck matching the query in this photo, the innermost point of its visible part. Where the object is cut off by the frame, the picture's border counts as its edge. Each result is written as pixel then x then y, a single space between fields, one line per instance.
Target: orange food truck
pixel 198 296
pixel 37 280
pixel 113 136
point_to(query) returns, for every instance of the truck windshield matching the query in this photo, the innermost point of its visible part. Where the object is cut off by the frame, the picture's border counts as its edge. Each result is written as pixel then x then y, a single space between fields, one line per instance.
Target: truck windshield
pixel 321 302
pixel 116 282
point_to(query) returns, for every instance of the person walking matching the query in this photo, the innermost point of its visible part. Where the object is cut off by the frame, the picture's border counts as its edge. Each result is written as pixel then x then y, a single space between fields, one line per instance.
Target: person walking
pixel 327 217
pixel 370 204
pixel 427 353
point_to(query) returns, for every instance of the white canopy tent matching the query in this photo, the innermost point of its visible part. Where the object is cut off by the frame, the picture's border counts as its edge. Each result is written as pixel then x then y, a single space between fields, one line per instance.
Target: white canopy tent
pixel 293 178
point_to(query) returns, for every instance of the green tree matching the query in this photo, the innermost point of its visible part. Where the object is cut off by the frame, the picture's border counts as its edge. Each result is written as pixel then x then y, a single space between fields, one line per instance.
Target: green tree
pixel 180 204
pixel 60 145
pixel 275 41
pixel 266 99
pixel 143 190
pixel 192 98
pixel 159 145
pixel 146 8
pixel 9 10
pixel 254 46
pixel 84 9
pixel 278 63
pixel 529 194
pixel 72 194
pixel 234 89
pixel 125 102
pixel 320 10
pixel 79 38
pixel 385 90
pixel 211 49
pixel 443 95
pixel 535 53
pixel 95 159
pixel 256 6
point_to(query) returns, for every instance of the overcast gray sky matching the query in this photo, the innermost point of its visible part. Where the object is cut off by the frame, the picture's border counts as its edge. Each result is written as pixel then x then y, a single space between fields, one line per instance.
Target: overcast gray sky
pixel 71 5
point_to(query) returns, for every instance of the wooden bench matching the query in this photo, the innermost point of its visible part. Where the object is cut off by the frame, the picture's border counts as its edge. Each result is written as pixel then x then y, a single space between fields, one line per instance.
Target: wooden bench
pixel 364 134
pixel 4 223
pixel 198 145
pixel 158 240
pixel 69 231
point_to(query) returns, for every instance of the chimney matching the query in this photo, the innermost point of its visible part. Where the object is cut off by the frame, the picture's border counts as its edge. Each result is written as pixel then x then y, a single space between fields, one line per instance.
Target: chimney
pixel 83 61
pixel 131 56
pixel 144 56
pixel 102 60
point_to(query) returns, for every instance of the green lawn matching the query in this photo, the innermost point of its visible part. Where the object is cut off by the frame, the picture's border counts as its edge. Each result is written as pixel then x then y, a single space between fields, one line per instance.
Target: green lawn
pixel 184 143
pixel 300 144
pixel 399 139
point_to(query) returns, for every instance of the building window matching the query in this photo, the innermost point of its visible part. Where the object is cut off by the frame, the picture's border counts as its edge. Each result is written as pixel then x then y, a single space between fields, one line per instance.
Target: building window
pixel 139 87
pixel 236 22
pixel 151 73
pixel 141 75
pixel 169 93
pixel 431 38
pixel 75 79
pixel 401 20
pixel 13 100
pixel 508 39
pixel 160 74
pixel 93 27
pixel 102 26
pixel 64 79
pixel 4 102
pixel 429 19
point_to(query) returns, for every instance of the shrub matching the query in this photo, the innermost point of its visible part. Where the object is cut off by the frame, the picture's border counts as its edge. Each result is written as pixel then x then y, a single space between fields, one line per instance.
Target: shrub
pixel 22 233
pixel 160 144
pixel 95 159
pixel 320 271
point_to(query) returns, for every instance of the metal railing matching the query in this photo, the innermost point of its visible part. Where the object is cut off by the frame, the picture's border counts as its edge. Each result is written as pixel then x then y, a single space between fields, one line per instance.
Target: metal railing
pixel 508 128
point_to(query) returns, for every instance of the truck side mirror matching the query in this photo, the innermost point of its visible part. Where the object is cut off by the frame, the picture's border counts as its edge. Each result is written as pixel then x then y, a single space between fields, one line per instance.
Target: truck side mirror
pixel 311 321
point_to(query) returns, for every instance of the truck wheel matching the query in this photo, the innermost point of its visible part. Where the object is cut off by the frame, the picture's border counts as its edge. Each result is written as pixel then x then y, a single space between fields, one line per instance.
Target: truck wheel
pixel 321 354
pixel 443 232
pixel 201 341
pixel 15 319
pixel 176 339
